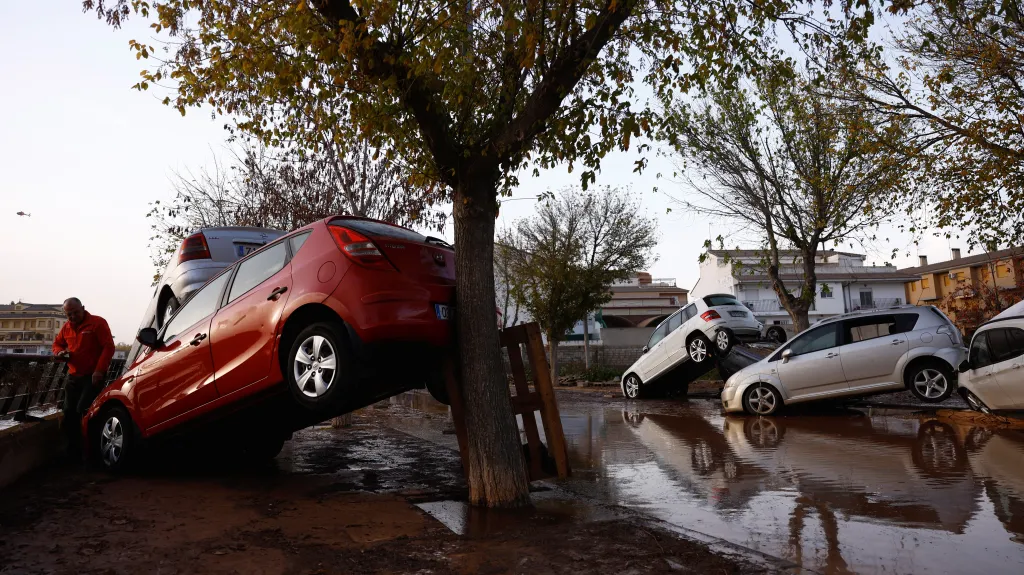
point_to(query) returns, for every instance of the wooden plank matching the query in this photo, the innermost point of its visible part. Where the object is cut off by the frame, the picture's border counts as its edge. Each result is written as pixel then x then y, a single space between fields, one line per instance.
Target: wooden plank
pixel 457 406
pixel 549 414
pixel 511 336
pixel 524 404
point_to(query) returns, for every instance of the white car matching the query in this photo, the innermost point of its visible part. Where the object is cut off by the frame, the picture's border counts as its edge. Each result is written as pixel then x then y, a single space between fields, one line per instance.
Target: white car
pixel 687 335
pixel 992 377
pixel 861 353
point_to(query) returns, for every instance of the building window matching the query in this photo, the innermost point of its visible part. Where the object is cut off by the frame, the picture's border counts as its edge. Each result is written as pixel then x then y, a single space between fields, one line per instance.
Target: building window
pixel 867 299
pixel 1002 271
pixel 826 291
pixel 960 276
pixel 945 280
pixel 926 283
pixel 913 287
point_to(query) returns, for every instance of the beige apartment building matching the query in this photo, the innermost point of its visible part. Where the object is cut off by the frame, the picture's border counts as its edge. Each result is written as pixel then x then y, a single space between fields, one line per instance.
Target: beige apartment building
pixel 28 328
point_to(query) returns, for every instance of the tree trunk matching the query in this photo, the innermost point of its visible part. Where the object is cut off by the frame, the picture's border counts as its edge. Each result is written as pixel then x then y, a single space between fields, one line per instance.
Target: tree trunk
pixel 797 307
pixel 586 342
pixel 553 355
pixel 496 469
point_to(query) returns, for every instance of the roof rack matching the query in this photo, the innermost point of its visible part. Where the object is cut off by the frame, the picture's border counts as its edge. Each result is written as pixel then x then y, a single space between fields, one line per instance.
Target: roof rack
pixel 860 312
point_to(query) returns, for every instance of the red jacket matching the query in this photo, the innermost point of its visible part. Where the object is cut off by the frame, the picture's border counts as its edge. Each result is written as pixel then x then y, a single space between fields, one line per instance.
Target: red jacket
pixel 90 344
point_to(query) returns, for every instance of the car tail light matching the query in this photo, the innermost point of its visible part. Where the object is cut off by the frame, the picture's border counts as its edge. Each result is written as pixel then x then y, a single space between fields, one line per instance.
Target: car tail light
pixel 360 248
pixel 710 315
pixel 194 248
pixel 953 333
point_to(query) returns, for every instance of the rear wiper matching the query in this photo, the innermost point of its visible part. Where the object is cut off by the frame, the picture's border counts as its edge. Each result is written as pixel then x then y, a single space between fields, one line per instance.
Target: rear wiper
pixel 439 242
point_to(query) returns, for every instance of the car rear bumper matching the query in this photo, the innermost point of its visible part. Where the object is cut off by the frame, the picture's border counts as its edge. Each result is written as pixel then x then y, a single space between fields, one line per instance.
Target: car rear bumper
pixel 385 307
pixel 192 275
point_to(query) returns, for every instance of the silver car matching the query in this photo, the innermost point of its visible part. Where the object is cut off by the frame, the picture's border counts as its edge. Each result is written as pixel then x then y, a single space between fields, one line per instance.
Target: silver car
pixel 199 257
pixel 862 353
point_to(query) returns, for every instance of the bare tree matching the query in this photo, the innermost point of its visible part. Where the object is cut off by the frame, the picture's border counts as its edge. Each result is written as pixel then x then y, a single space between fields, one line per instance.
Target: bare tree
pixel 793 164
pixel 561 260
pixel 286 189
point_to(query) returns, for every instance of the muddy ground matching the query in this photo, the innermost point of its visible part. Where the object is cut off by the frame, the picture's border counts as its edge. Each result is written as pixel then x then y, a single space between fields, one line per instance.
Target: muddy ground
pixel 335 501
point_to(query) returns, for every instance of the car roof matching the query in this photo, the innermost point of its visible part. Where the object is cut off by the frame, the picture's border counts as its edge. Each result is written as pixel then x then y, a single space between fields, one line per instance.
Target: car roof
pixel 870 312
pixel 1015 311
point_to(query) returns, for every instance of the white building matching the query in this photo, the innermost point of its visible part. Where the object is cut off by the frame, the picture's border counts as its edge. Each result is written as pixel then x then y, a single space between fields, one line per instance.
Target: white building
pixel 844 283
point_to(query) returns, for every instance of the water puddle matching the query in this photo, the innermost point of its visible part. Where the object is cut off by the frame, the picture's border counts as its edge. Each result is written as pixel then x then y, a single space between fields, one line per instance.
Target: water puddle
pixel 841 492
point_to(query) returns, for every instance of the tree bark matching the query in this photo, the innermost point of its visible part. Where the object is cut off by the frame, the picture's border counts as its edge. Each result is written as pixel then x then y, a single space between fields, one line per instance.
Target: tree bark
pixel 553 353
pixel 586 341
pixel 496 470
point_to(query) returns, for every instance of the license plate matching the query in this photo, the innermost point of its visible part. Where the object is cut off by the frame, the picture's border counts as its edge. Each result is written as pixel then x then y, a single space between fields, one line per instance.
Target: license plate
pixel 246 249
pixel 443 312
pixel 738 313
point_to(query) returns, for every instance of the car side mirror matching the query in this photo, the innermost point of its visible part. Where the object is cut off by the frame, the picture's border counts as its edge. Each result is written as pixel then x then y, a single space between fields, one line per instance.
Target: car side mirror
pixel 964 366
pixel 148 337
pixel 645 349
pixel 786 354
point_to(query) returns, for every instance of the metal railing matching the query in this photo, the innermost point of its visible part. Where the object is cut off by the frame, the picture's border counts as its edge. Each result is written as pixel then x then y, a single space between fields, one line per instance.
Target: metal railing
pixel 764 305
pixel 880 303
pixel 36 383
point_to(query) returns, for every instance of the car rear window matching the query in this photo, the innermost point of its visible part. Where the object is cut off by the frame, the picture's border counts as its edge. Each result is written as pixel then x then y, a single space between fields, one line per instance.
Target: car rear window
pixel 381 230
pixel 721 299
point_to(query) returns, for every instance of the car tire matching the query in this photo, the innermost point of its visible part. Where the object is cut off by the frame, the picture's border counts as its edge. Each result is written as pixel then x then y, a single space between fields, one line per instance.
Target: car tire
pixel 114 439
pixel 975 402
pixel 761 399
pixel 724 340
pixel 632 387
pixel 775 334
pixel 699 348
pixel 438 388
pixel 170 306
pixel 763 432
pixel 263 449
pixel 318 368
pixel 930 381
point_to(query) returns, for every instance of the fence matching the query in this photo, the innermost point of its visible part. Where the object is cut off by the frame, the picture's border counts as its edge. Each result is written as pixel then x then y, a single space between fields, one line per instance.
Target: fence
pixel 36 383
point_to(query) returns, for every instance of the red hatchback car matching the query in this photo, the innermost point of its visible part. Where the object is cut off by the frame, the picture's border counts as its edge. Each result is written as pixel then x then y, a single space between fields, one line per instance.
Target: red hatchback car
pixel 327 319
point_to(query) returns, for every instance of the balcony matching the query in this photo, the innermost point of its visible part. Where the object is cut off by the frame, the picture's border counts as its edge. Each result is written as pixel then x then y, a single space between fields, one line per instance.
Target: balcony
pixel 880 303
pixel 768 306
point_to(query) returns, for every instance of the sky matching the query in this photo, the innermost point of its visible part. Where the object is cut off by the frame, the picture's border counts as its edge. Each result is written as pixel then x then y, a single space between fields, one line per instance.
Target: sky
pixel 85 155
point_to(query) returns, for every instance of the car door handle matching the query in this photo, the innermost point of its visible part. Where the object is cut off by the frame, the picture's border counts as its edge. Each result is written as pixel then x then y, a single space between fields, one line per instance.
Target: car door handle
pixel 198 339
pixel 277 292
pixel 831 355
pixel 896 342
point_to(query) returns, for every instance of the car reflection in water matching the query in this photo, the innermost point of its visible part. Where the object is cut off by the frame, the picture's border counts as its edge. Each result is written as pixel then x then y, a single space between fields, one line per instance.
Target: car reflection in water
pixel 842 492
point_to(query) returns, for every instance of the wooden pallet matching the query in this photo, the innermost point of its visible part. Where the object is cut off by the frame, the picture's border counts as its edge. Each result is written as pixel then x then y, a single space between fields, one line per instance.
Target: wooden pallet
pixel 526 400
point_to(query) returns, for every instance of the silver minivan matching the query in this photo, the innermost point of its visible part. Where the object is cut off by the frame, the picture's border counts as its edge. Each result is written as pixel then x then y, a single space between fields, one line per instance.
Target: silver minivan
pixel 862 353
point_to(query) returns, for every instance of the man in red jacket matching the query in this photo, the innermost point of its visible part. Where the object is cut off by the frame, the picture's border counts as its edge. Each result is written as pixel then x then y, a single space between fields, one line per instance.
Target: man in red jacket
pixel 86 344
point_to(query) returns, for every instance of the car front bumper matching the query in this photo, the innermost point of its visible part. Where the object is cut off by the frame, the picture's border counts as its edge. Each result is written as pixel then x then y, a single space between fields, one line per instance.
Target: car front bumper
pixel 732 400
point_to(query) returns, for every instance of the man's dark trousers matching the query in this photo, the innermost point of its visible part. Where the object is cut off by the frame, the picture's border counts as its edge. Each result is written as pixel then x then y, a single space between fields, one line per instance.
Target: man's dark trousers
pixel 78 396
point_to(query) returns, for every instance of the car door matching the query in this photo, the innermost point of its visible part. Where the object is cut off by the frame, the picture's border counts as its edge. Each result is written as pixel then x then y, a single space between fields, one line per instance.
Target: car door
pixel 178 376
pixel 983 380
pixel 675 341
pixel 815 366
pixel 872 347
pixel 244 331
pixel 655 352
pixel 1007 345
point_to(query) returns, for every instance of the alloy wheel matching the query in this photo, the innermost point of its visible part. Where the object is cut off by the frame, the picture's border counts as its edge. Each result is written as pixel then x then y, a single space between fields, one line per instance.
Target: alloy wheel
pixel 632 386
pixel 930 383
pixel 314 366
pixel 111 441
pixel 762 400
pixel 722 340
pixel 775 335
pixel 698 350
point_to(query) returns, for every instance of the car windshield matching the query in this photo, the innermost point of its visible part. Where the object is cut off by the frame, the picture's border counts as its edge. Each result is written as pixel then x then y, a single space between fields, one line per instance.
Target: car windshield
pixel 381 230
pixel 721 299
